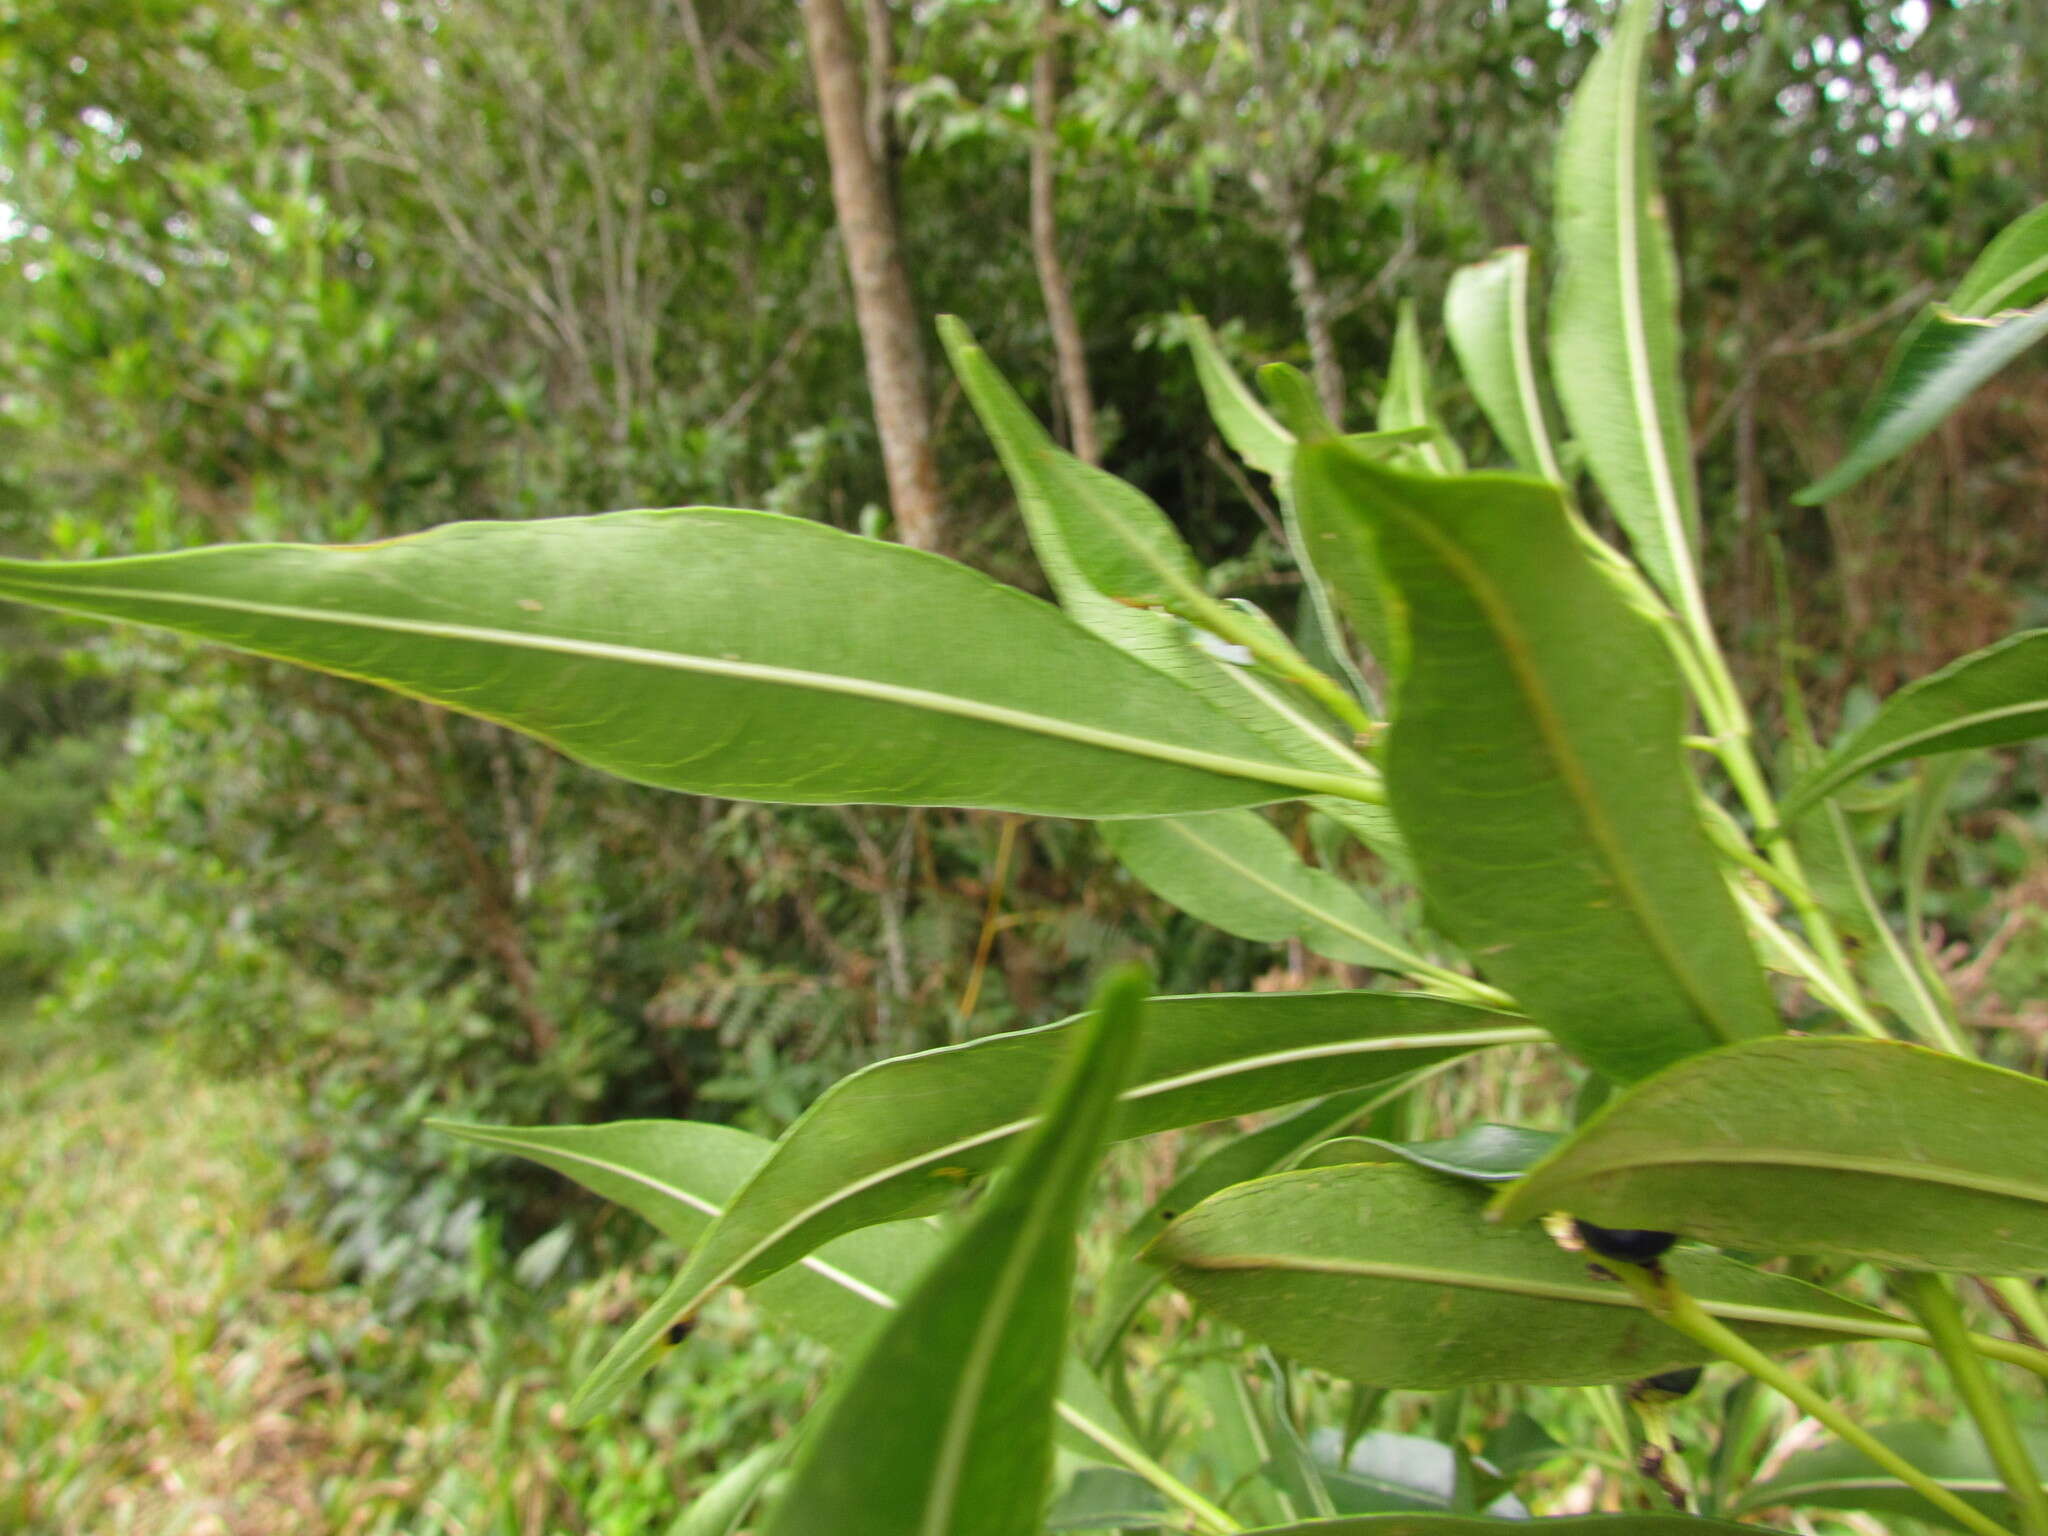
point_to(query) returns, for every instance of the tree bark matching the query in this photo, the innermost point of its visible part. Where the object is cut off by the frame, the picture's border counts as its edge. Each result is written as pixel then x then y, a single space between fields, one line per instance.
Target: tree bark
pixel 881 291
pixel 1314 303
pixel 1069 353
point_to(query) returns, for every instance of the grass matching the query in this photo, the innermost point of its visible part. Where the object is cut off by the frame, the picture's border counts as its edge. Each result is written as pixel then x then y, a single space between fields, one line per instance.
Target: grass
pixel 178 1360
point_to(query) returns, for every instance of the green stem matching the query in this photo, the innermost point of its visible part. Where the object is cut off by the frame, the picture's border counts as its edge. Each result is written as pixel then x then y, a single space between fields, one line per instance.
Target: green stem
pixel 2025 1302
pixel 1223 621
pixel 1207 1516
pixel 1930 1298
pixel 1662 1296
pixel 1828 988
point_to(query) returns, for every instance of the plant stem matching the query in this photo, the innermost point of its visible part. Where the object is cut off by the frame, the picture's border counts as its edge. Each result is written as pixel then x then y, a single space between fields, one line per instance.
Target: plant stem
pixel 1830 989
pixel 2025 1302
pixel 1207 1516
pixel 1223 621
pixel 1930 1298
pixel 1662 1296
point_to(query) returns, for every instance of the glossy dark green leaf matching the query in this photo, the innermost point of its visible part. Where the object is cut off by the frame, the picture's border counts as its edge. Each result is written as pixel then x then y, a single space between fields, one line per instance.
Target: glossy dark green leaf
pixel 727 653
pixel 909 1135
pixel 1386 1274
pixel 1481 1525
pixel 1858 1148
pixel 679 1175
pixel 1486 316
pixel 946 1423
pixel 1938 365
pixel 1836 1476
pixel 1234 870
pixel 1989 698
pixel 1534 763
pixel 1483 1154
pixel 1267 1150
pixel 1614 336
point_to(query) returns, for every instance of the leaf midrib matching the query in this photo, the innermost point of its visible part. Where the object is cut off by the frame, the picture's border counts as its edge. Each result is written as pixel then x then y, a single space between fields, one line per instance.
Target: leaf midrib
pixel 2034 1192
pixel 1542 1290
pixel 924 699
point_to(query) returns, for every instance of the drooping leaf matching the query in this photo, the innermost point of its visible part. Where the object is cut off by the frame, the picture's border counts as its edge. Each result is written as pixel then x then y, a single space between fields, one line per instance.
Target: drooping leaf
pixel 946 1423
pixel 1483 1154
pixel 1130 1281
pixel 1534 763
pixel 728 653
pixel 1858 1148
pixel 905 1135
pixel 1837 1476
pixel 1234 870
pixel 1614 338
pixel 1299 1259
pixel 1406 404
pixel 1995 313
pixel 1486 315
pixel 679 1176
pixel 1989 698
pixel 1939 364
pixel 1481 1525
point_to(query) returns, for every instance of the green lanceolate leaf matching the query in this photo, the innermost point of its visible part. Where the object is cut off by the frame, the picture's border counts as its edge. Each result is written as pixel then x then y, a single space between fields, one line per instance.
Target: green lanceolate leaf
pixel 1837 1476
pixel 1869 1149
pixel 1990 698
pixel 1301 1260
pixel 1614 316
pixel 1234 870
pixel 679 1176
pixel 907 1135
pixel 1246 425
pixel 726 653
pixel 1486 315
pixel 945 1426
pixel 1534 764
pixel 1937 366
pixel 1405 405
pixel 1268 447
pixel 1130 1281
pixel 1480 1525
pixel 1118 565
pixel 1482 1154
pixel 1995 313
pixel 2012 272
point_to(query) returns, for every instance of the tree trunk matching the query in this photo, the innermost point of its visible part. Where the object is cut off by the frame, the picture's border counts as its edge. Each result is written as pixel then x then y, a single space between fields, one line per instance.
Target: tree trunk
pixel 881 292
pixel 1068 351
pixel 1314 304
